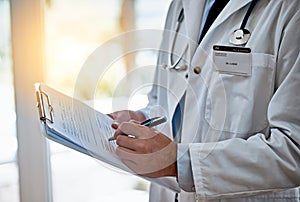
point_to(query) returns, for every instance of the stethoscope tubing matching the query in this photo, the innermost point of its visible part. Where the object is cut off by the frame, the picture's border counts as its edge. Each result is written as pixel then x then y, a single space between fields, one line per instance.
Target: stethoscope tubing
pixel 249 11
pixel 237 42
pixel 175 64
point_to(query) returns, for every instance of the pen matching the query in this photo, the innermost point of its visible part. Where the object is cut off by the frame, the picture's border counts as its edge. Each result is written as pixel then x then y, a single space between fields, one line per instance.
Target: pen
pixel 149 123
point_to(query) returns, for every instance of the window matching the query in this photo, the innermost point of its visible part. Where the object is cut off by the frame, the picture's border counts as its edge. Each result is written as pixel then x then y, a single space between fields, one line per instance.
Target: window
pixel 74 29
pixel 9 186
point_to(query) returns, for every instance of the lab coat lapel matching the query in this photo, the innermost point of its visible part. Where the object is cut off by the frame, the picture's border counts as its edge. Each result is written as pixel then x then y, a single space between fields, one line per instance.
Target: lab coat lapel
pixel 232 7
pixel 193 10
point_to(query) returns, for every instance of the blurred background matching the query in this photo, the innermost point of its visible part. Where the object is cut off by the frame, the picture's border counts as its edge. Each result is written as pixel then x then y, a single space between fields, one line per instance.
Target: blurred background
pixel 50 41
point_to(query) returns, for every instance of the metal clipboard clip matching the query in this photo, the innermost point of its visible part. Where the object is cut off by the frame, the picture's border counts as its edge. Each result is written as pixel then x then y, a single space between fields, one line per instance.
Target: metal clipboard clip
pixel 41 97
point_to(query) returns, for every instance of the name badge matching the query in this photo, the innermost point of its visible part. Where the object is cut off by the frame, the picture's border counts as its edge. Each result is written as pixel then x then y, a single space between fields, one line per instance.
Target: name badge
pixel 233 60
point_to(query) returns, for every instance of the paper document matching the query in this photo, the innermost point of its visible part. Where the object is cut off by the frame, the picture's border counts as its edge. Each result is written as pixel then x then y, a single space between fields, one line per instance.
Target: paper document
pixel 76 125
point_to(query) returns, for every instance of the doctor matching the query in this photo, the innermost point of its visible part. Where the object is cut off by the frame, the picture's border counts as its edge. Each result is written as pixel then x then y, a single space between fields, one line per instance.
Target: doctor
pixel 236 92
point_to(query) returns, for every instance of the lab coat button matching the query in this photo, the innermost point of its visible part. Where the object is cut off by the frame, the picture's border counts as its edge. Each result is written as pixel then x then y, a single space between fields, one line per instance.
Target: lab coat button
pixel 197 70
pixel 187 76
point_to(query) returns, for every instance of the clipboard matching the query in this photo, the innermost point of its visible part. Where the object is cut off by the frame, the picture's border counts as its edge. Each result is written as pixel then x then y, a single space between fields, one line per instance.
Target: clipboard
pixel 45 111
pixel 74 124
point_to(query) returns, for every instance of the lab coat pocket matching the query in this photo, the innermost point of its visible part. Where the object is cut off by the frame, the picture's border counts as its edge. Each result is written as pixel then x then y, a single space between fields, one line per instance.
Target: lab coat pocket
pixel 238 104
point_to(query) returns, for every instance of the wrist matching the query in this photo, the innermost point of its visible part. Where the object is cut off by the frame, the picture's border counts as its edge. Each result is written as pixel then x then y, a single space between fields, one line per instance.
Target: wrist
pixel 171 170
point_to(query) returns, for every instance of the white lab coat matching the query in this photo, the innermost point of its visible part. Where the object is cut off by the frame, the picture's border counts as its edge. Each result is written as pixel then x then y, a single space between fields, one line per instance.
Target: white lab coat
pixel 243 131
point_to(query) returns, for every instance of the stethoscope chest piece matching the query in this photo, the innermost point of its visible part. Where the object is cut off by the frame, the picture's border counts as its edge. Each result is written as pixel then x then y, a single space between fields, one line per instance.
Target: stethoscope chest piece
pixel 240 37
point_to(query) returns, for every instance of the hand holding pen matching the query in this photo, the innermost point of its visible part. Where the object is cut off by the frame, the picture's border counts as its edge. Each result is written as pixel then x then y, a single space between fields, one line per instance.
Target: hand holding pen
pixel 149 123
pixel 147 152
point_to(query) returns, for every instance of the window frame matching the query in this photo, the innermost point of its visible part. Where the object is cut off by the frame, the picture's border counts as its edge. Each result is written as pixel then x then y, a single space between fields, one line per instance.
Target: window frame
pixel 27 41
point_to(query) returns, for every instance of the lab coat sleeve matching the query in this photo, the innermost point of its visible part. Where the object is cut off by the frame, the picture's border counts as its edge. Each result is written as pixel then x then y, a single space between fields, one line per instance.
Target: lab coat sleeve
pixel 264 162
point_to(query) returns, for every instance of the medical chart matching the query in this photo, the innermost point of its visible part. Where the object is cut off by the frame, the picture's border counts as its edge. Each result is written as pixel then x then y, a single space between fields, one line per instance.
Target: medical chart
pixel 80 127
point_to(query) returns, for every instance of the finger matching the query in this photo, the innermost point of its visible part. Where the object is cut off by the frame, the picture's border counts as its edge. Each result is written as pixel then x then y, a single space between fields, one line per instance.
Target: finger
pixel 125 128
pixel 115 125
pixel 134 128
pixel 138 146
pixel 111 115
pixel 135 122
pixel 118 131
pixel 122 151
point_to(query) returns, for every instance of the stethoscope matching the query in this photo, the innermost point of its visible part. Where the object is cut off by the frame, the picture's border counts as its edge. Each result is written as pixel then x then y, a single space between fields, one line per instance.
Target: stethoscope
pixel 239 37
pixel 175 64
